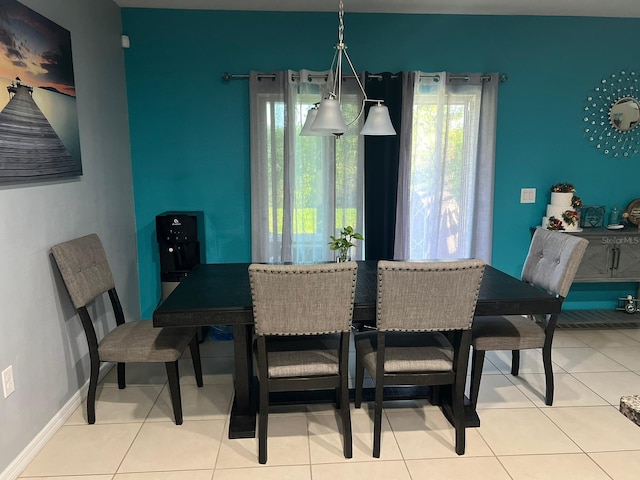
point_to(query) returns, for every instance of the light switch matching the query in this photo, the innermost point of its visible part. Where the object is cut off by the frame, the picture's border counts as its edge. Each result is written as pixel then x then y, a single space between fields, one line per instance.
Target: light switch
pixel 528 195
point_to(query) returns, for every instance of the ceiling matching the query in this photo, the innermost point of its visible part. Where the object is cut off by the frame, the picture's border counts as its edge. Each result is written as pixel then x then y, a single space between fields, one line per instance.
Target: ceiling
pixel 588 8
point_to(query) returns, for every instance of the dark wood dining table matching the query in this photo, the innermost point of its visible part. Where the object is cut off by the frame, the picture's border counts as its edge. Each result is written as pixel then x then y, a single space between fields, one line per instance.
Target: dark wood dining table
pixel 220 294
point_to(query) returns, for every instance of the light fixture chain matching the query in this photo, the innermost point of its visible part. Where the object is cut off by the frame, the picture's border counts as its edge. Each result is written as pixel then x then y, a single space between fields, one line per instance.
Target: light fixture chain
pixel 341 24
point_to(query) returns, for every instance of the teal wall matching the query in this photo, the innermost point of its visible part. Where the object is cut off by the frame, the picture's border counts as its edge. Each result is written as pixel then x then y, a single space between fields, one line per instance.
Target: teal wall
pixel 190 131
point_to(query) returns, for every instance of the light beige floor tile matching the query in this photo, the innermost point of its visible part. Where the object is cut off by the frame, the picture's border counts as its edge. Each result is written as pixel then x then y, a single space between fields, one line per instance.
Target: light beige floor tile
pixel 320 408
pixel 530 361
pixel 611 385
pixel 395 470
pixel 138 374
pixel 575 360
pixel 553 467
pixel 325 438
pixel 619 465
pixel 565 338
pixel 605 338
pixel 163 446
pixel 84 450
pixel 71 477
pixel 215 370
pixel 627 356
pixel 522 431
pixel 488 368
pixel 176 475
pixel 567 392
pixel 631 332
pixel 265 472
pixel 296 410
pixel 596 429
pixel 210 402
pixel 113 405
pixel 287 444
pixel 426 433
pixel 498 391
pixel 460 468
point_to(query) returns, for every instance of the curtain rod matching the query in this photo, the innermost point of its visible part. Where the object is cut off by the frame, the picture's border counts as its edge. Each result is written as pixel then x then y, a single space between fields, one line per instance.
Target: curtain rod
pixel 227 77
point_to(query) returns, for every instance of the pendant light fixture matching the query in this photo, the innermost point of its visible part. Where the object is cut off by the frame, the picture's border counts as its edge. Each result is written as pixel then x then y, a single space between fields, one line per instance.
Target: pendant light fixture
pixel 326 117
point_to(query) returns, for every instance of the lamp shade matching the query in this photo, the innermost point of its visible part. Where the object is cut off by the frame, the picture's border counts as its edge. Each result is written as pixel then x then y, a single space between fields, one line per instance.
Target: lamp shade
pixel 329 118
pixel 307 128
pixel 378 122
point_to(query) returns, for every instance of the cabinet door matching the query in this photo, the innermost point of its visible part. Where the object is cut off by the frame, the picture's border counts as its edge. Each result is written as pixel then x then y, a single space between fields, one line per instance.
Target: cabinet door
pixel 596 262
pixel 628 264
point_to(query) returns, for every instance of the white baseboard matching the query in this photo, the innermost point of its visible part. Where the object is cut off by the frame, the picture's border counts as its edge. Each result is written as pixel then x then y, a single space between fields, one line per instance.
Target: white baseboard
pixel 25 457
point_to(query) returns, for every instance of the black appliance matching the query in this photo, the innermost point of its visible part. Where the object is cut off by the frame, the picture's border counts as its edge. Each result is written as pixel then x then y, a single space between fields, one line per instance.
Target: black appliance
pixel 181 246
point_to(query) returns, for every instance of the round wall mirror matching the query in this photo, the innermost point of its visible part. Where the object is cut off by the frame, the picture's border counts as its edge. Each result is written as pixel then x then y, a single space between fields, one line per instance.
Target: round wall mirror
pixel 625 114
pixel 612 113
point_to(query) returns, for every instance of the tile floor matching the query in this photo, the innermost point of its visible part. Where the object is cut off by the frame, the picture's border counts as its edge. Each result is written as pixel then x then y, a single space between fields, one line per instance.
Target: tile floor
pixel 583 436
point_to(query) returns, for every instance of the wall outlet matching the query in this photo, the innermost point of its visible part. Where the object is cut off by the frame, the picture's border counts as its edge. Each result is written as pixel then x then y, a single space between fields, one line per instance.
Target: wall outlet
pixel 528 195
pixel 8 385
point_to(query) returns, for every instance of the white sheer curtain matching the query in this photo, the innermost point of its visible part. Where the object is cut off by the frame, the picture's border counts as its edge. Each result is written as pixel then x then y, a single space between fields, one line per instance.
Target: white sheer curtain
pixel 303 189
pixel 445 186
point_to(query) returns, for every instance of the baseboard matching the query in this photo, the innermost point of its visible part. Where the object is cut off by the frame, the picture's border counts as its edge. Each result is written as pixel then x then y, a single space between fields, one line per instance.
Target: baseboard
pixel 25 457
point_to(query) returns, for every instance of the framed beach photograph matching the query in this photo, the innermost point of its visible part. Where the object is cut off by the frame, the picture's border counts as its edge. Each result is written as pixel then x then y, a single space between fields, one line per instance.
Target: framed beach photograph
pixel 39 137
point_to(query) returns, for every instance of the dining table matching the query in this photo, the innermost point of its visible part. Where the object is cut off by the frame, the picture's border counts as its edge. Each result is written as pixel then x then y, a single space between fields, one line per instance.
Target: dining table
pixel 220 294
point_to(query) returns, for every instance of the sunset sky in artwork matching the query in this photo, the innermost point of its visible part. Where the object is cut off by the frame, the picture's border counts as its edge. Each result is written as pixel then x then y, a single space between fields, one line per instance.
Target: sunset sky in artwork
pixel 34 49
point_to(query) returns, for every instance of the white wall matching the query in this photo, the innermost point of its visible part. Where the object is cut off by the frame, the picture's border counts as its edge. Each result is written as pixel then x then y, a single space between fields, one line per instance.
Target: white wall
pixel 40 334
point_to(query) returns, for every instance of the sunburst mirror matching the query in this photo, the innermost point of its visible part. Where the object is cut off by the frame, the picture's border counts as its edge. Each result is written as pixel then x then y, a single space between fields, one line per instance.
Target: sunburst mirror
pixel 612 115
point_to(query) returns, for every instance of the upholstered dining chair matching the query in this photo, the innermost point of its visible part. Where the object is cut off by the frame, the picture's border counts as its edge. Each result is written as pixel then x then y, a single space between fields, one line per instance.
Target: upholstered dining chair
pixel 302 316
pixel 551 264
pixel 423 318
pixel 86 274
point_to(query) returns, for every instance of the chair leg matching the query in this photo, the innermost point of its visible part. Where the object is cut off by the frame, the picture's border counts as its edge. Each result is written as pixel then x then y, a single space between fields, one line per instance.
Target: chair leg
pixel 91 395
pixel 548 373
pixel 436 398
pixel 359 382
pixel 174 389
pixel 457 394
pixel 346 419
pixel 263 412
pixel 194 346
pixel 515 362
pixel 377 417
pixel 476 375
pixel 122 381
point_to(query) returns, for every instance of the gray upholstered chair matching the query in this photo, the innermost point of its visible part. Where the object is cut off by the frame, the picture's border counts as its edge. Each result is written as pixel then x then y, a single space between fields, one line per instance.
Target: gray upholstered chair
pixel 302 316
pixel 416 301
pixel 87 276
pixel 551 264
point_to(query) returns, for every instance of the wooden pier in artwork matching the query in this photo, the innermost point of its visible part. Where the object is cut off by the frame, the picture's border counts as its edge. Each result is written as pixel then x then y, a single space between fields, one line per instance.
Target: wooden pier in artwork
pixel 30 149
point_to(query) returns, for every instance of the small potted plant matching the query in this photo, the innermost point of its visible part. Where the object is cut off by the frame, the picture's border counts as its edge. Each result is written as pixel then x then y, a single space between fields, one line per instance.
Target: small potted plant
pixel 344 242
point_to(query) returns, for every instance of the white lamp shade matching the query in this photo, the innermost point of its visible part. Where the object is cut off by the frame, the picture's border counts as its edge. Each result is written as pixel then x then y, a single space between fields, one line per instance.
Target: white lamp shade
pixel 307 130
pixel 329 117
pixel 378 122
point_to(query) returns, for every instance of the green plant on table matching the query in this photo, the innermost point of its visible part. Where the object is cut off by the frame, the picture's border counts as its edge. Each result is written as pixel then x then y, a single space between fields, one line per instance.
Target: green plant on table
pixel 344 242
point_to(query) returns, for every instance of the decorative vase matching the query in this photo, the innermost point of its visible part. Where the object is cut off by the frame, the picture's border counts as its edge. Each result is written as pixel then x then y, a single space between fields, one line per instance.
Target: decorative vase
pixel 343 255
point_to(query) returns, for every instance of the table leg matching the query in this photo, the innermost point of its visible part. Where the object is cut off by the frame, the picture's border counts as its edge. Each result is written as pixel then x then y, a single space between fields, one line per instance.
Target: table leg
pixel 242 423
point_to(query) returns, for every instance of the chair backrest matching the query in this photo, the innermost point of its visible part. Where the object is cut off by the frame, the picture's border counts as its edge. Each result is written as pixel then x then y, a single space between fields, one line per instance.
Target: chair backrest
pixel 303 299
pixel 84 268
pixel 427 296
pixel 552 261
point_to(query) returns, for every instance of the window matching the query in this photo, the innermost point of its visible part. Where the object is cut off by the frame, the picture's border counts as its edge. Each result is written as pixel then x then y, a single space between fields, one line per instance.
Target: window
pixel 446 177
pixel 304 189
